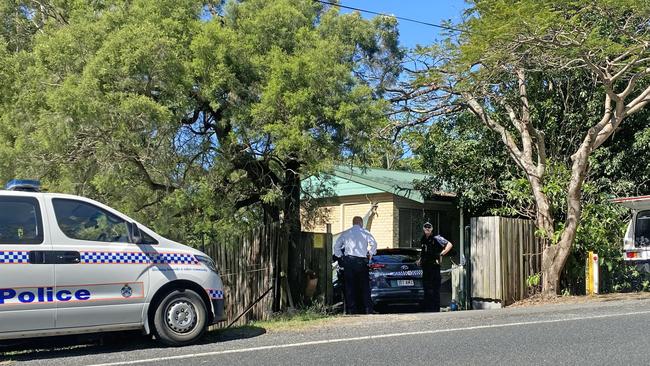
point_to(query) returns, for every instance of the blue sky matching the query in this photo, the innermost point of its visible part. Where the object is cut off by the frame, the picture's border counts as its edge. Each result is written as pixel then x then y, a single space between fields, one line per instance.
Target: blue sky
pixel 430 11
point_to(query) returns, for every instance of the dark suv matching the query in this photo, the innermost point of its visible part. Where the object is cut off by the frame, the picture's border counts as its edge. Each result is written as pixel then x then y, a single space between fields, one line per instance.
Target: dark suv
pixel 394 278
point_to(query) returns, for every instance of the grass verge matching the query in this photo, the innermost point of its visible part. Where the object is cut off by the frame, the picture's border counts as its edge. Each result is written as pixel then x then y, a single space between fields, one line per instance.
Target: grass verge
pixel 297 319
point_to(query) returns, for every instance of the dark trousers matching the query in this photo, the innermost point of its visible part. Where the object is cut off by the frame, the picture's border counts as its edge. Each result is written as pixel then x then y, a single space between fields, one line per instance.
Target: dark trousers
pixel 357 285
pixel 431 285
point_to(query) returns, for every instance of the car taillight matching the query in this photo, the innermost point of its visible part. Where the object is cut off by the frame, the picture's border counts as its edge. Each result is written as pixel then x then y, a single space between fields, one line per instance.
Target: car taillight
pixel 376 265
pixel 632 254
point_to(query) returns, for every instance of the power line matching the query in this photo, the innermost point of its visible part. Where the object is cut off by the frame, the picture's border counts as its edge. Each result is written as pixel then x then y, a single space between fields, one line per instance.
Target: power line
pixel 393 16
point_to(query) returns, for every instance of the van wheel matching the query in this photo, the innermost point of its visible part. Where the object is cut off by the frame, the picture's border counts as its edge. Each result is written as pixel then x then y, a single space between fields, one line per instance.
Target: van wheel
pixel 180 318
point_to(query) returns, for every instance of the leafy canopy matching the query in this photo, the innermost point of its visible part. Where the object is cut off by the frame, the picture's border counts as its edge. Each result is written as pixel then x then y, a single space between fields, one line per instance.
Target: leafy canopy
pixel 185 113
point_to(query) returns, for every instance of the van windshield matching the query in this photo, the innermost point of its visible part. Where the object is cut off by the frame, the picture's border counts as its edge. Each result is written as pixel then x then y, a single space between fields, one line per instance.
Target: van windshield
pixel 642 229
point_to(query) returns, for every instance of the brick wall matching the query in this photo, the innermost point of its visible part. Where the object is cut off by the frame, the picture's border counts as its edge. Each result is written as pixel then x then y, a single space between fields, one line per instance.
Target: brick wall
pixel 339 214
pixel 385 224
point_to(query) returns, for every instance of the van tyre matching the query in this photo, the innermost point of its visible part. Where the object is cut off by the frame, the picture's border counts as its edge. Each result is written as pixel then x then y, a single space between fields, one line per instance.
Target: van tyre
pixel 180 318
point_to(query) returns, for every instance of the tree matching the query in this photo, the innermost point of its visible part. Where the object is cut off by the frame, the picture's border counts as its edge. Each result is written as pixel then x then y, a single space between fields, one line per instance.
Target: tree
pixel 507 53
pixel 462 156
pixel 284 98
pixel 189 113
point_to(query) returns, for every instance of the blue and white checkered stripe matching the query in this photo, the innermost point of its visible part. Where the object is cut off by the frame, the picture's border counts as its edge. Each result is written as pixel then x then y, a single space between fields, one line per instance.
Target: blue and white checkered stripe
pixel 215 294
pixel 172 258
pixel 417 272
pixel 14 257
pixel 114 258
pixel 136 258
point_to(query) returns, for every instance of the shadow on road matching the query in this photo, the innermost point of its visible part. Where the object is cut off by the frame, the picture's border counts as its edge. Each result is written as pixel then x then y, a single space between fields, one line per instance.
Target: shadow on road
pixel 85 345
pixel 399 309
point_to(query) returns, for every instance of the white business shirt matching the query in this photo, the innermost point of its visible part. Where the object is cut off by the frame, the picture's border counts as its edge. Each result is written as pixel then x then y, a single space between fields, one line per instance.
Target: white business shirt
pixel 355 241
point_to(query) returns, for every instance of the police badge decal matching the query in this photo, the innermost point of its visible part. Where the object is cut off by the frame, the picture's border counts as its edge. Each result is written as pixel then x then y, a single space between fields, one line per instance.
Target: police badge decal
pixel 127 291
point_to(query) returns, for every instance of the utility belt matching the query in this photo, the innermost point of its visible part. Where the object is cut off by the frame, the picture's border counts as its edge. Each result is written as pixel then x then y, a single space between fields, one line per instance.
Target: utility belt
pixel 353 259
pixel 431 261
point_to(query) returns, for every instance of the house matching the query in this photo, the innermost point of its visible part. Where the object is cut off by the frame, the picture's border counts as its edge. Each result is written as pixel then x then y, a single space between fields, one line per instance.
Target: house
pixel 392 208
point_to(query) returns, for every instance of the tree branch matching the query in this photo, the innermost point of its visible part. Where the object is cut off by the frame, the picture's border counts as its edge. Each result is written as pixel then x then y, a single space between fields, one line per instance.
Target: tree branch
pixel 632 83
pixel 638 103
pixel 147 177
pixel 476 108
pixel 251 200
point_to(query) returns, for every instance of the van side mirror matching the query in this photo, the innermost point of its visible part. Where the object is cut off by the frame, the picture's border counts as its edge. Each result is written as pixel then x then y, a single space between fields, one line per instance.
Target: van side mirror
pixel 136 234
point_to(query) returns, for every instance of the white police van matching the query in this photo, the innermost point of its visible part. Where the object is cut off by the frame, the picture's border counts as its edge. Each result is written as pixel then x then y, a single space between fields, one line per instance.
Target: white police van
pixel 71 265
pixel 636 243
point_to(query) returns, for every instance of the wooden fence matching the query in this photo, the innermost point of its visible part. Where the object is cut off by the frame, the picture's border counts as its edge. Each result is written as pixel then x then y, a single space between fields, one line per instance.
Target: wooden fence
pixel 503 254
pixel 245 263
pixel 315 254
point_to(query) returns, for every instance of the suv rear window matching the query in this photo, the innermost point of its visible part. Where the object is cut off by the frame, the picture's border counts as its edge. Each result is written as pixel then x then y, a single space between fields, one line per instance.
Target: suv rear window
pixel 642 229
pixel 395 258
pixel 20 221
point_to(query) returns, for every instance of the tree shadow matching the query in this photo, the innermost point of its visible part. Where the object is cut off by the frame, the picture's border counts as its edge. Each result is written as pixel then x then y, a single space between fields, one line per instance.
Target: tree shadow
pixel 92 344
pixel 232 334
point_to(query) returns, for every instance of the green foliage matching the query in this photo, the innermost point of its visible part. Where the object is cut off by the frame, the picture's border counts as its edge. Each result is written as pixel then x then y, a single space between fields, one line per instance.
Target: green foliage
pixel 622 163
pixel 501 31
pixel 601 231
pixel 188 122
pixel 534 280
pixel 536 73
pixel 465 158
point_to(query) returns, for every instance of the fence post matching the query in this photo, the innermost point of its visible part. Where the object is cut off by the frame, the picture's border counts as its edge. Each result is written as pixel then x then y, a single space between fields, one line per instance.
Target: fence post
pixel 329 286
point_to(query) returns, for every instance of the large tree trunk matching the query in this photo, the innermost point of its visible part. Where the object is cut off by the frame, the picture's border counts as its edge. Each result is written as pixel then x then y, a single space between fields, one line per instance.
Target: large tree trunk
pixel 271 216
pixel 555 256
pixel 544 216
pixel 271 213
pixel 291 195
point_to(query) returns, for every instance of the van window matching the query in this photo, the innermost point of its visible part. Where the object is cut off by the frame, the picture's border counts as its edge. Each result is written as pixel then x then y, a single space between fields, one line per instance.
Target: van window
pixel 84 221
pixel 20 221
pixel 147 239
pixel 642 229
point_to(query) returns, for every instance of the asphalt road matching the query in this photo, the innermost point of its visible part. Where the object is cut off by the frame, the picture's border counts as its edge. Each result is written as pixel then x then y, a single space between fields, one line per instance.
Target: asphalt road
pixel 611 333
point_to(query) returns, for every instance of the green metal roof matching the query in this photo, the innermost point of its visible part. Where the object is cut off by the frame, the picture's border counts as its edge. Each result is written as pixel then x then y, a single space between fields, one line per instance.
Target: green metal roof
pixel 348 181
pixel 331 185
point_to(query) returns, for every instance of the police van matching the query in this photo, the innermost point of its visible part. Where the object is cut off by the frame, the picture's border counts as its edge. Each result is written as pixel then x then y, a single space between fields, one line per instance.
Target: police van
pixel 636 243
pixel 70 265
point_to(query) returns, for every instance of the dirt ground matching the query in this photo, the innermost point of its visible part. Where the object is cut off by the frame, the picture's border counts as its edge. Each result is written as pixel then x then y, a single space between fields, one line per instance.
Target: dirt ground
pixel 540 300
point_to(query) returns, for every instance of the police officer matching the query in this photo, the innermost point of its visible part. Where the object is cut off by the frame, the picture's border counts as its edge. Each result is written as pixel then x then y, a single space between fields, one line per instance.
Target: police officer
pixel 433 248
pixel 355 242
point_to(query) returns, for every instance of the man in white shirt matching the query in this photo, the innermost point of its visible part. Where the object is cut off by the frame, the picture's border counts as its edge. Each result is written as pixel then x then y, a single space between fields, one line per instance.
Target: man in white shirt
pixel 354 248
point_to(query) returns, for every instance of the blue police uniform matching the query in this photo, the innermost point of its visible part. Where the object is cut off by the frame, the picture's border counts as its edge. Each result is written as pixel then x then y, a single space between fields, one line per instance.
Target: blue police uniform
pixel 432 247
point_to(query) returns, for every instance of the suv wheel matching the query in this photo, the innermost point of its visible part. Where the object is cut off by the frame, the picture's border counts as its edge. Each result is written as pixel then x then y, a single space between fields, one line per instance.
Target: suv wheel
pixel 180 318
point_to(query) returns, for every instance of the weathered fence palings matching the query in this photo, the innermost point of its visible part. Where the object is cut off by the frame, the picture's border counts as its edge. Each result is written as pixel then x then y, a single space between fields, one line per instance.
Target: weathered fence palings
pixel 245 263
pixel 504 253
pixel 315 254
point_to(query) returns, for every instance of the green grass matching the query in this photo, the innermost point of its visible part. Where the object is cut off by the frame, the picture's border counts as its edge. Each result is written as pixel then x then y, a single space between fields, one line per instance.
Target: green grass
pixel 301 318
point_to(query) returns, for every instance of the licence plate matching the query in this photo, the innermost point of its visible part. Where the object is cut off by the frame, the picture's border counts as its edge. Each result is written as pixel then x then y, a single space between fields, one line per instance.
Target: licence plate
pixel 404 282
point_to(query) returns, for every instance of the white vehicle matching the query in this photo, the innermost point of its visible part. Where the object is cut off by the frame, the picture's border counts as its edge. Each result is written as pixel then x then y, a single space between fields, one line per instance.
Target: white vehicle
pixel 71 265
pixel 636 244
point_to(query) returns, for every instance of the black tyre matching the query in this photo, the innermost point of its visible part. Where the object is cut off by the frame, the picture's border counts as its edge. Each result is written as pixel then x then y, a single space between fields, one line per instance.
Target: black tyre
pixel 180 318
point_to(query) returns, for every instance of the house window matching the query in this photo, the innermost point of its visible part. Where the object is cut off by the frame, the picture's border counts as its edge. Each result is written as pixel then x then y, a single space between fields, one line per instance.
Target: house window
pixel 410 225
